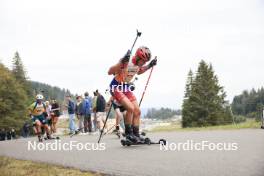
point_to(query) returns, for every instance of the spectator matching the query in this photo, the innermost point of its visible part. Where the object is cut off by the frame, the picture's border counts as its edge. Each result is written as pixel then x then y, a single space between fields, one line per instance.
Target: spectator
pixel 71 110
pixel 13 133
pixel 86 110
pixel 55 113
pixel 79 114
pixel 100 110
pixel 26 130
pixel 9 135
pixel 2 135
pixel 94 111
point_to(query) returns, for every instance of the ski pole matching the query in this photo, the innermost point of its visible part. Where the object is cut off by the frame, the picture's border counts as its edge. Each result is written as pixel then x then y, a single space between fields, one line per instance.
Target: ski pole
pixel 146 84
pixel 101 132
pixel 138 35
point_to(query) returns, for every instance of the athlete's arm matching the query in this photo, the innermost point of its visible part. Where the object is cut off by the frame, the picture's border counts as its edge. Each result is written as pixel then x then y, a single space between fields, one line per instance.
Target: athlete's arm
pixel 115 69
pixel 143 69
pixel 120 65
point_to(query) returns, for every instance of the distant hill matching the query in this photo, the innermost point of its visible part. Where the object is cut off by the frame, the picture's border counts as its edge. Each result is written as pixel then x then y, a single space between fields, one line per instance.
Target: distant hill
pixel 48 91
pixel 162 113
pixel 249 103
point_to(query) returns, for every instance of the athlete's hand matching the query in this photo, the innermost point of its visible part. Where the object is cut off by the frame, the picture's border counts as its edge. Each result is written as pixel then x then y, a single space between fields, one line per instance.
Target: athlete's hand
pixel 126 57
pixel 132 86
pixel 152 63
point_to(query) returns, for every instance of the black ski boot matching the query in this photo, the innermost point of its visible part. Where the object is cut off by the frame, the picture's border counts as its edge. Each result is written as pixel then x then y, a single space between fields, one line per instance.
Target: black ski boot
pixel 130 138
pixel 136 133
pixel 40 138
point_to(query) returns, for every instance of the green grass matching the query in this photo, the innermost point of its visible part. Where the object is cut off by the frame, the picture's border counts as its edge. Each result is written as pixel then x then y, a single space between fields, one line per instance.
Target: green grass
pixel 14 167
pixel 176 126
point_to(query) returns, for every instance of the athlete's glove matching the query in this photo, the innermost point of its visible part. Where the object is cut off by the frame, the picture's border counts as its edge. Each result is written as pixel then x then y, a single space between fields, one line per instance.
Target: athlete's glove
pixel 152 63
pixel 126 57
pixel 132 86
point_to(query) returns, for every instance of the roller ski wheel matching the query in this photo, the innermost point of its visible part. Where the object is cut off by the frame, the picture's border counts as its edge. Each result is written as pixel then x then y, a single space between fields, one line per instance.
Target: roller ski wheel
pixel 147 141
pixel 52 138
pixel 40 139
pixel 125 142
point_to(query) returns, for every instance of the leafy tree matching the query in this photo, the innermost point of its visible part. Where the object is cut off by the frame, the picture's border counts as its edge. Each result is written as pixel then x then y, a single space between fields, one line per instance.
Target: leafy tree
pixel 12 100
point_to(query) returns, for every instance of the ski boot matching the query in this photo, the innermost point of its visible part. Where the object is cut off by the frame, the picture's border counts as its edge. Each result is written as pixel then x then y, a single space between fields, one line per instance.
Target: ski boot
pixel 117 132
pixel 141 136
pixel 130 139
pixel 40 138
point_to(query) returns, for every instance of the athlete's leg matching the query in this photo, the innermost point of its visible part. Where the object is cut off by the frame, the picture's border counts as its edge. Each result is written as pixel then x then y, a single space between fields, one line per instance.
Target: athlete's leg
pixel 46 127
pixel 136 114
pixel 136 118
pixel 129 108
pixel 38 126
pixel 54 123
pixel 117 118
pixel 38 129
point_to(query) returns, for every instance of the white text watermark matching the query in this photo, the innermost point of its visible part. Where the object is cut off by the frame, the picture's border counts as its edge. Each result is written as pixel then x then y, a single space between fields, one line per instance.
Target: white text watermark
pixel 191 145
pixel 57 145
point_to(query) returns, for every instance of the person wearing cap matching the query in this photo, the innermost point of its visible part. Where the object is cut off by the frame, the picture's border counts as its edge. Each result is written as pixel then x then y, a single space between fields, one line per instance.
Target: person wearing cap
pixel 38 114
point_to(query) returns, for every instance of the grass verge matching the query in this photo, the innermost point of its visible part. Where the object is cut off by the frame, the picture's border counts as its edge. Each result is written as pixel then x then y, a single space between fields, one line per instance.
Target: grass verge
pixel 176 126
pixel 14 167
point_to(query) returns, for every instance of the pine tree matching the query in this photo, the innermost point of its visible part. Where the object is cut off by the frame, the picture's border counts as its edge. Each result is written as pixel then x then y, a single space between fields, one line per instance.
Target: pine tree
pixel 18 68
pixel 206 103
pixel 19 72
pixel 186 113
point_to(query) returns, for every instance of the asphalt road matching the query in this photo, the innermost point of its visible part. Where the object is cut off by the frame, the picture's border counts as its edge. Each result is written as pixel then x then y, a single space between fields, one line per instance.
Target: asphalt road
pixel 243 154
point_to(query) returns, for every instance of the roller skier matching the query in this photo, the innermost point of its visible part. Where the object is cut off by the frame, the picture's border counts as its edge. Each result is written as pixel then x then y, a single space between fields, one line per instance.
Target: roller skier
pixel 121 89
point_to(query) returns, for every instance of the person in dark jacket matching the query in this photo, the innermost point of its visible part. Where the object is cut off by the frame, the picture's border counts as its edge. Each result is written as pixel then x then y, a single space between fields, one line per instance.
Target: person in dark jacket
pixel 26 130
pixel 2 135
pixel 71 112
pixel 55 113
pixel 87 106
pixel 100 110
pixel 9 135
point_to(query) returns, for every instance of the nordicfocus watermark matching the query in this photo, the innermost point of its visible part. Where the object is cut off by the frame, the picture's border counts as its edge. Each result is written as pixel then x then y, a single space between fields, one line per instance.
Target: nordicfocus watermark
pixel 123 87
pixel 191 145
pixel 66 146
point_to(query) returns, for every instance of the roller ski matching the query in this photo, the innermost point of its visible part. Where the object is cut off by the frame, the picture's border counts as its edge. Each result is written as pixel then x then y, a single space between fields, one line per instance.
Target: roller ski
pixel 76 132
pixel 141 141
pixel 51 138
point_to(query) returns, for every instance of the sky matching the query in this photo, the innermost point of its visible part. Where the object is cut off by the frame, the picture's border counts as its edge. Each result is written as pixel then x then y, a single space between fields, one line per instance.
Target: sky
pixel 72 44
